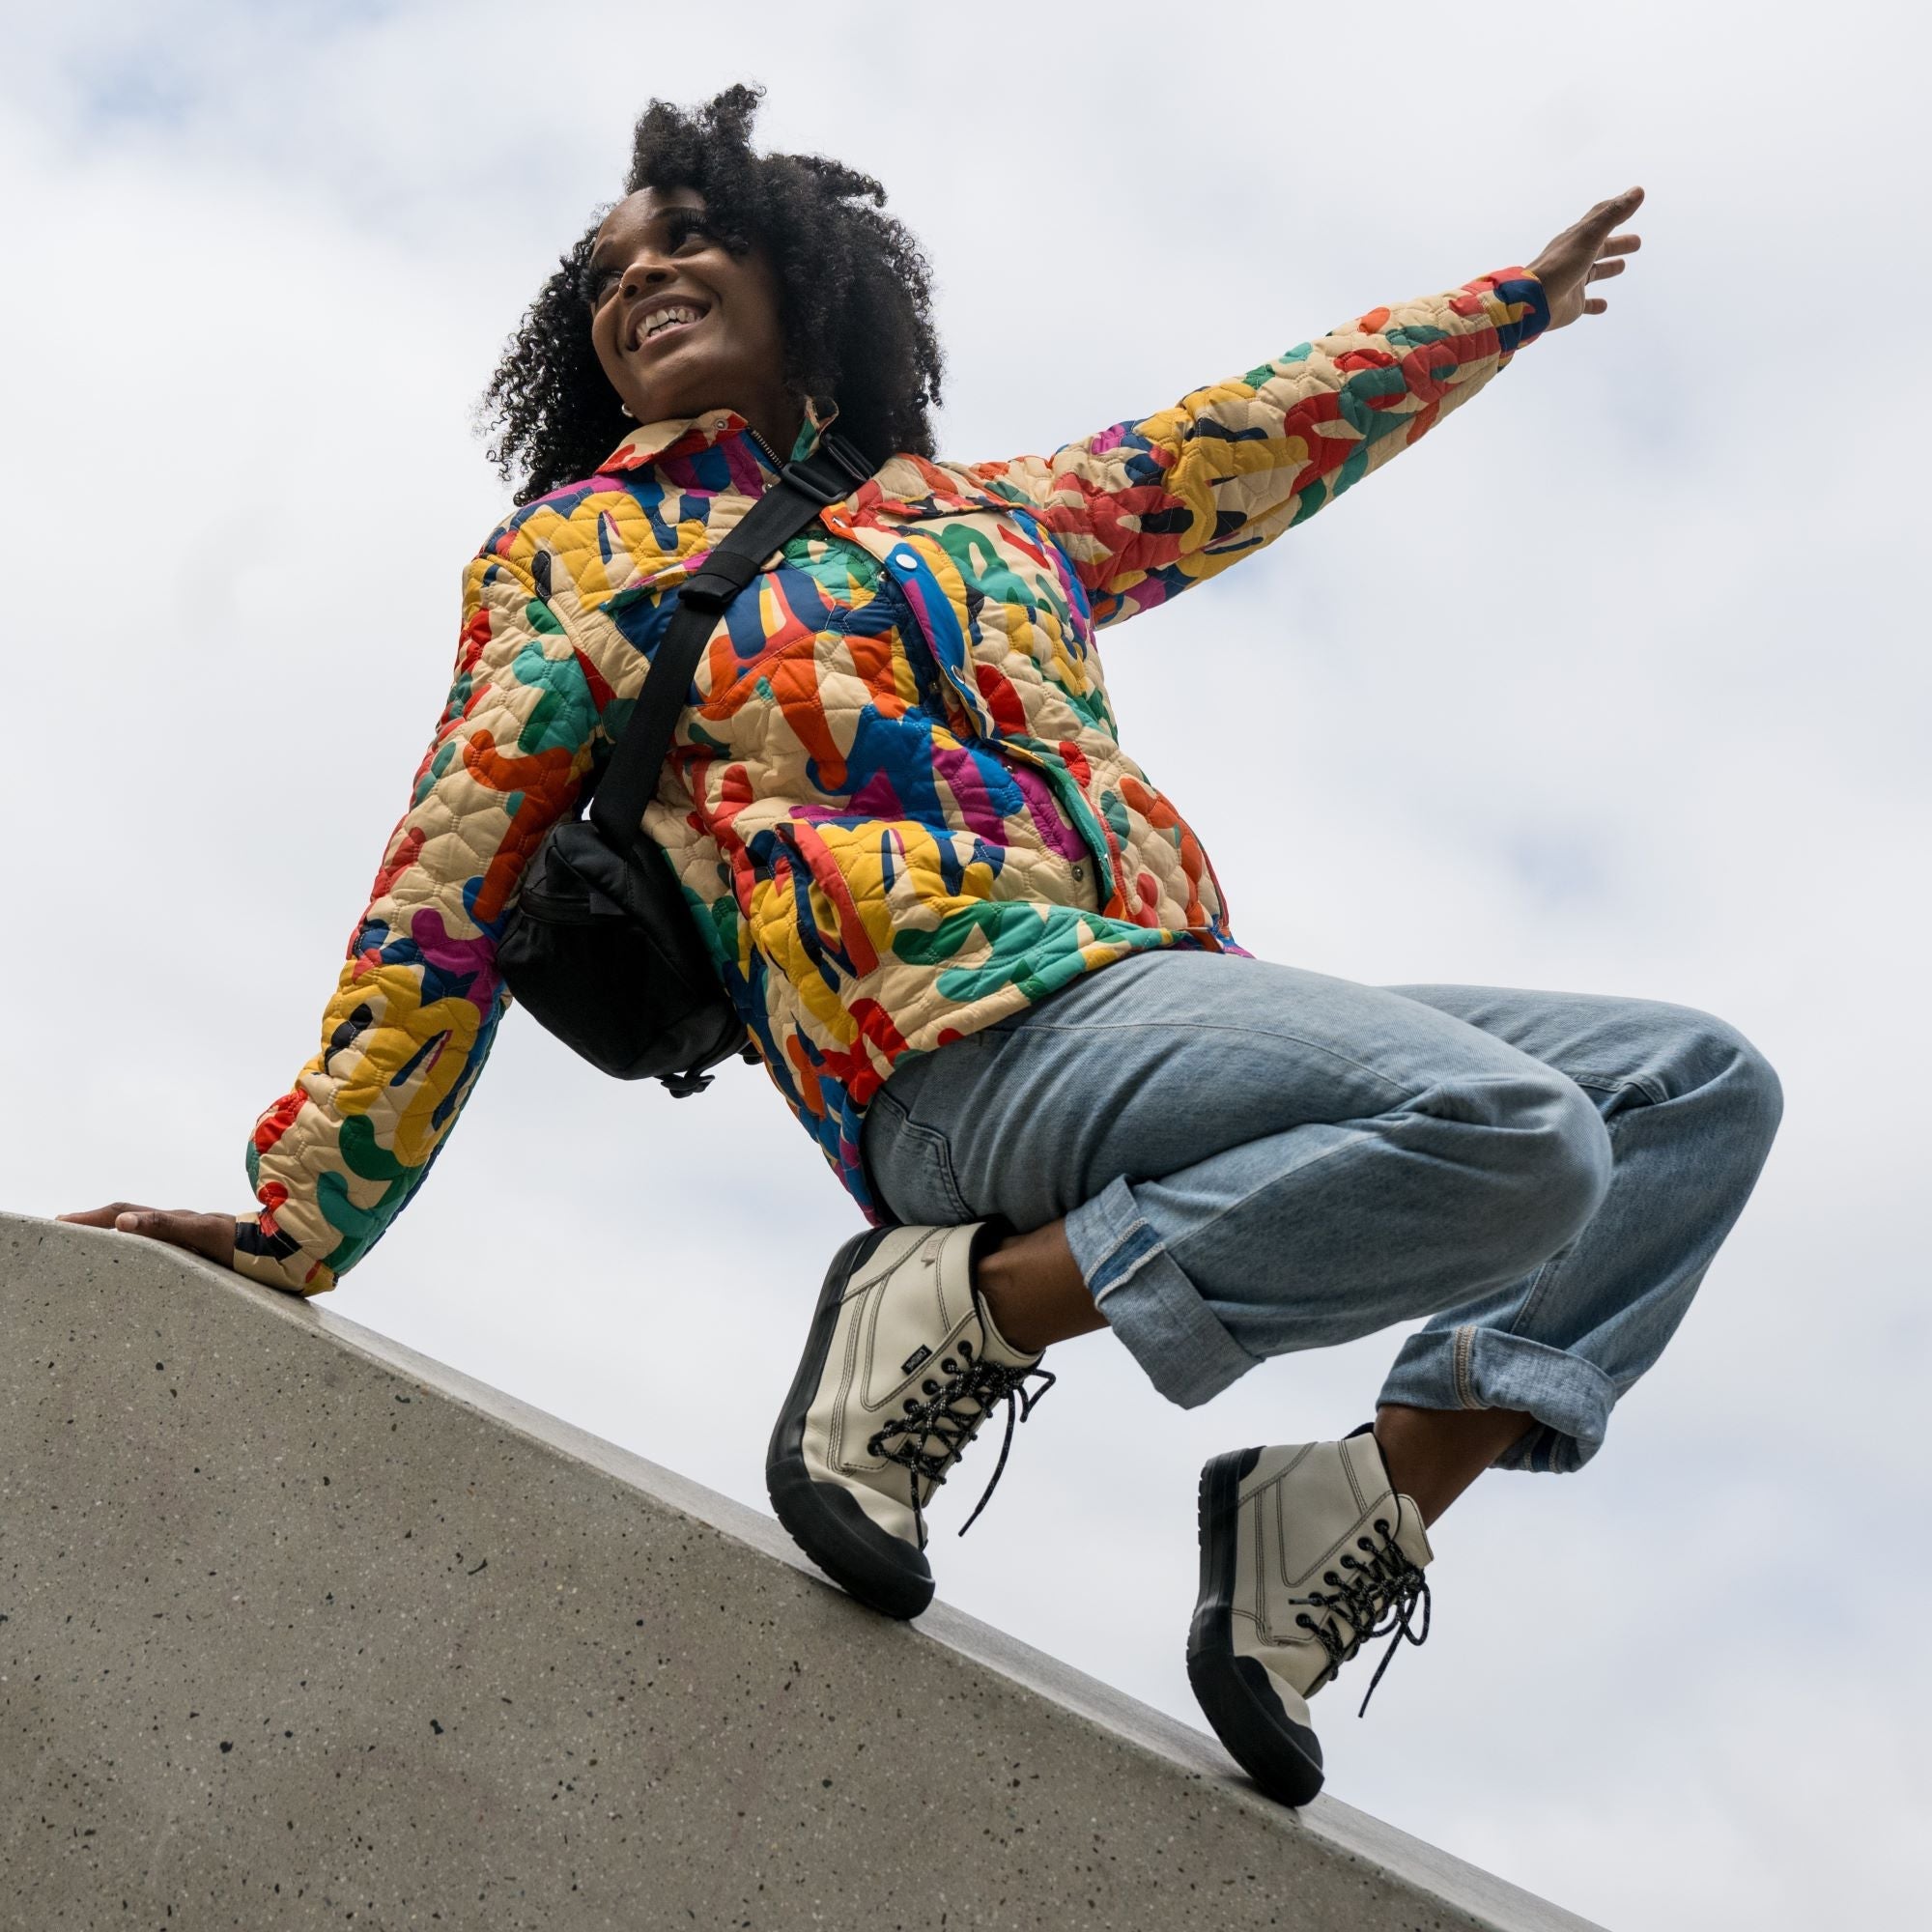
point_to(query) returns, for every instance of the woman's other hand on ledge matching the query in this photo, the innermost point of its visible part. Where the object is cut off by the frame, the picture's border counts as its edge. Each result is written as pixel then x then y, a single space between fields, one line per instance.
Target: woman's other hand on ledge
pixel 209 1235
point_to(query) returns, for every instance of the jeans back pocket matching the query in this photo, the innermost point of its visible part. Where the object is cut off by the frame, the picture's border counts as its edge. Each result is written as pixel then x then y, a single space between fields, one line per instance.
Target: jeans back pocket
pixel 910 1167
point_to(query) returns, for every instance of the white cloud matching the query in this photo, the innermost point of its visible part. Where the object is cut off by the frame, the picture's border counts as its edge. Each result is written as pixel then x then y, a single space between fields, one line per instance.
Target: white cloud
pixel 1619 683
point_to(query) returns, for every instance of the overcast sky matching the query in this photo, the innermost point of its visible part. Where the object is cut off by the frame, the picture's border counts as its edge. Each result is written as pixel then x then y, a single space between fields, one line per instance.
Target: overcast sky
pixel 1617 683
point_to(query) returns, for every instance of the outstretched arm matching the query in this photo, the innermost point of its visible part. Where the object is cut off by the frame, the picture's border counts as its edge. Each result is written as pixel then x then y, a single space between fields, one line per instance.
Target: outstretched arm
pixel 417 1001
pixel 1146 508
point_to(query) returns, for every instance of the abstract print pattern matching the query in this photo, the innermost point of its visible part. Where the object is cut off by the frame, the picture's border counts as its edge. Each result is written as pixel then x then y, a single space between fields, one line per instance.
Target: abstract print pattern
pixel 898 802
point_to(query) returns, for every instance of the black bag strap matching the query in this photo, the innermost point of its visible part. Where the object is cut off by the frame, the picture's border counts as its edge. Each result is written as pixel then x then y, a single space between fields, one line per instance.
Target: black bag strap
pixel 833 470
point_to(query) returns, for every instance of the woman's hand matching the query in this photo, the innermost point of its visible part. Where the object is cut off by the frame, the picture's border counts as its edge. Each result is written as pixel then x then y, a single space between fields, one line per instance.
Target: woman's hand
pixel 1586 252
pixel 211 1236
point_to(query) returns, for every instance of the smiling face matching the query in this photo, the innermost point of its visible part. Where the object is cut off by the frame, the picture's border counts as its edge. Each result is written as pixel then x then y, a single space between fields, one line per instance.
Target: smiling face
pixel 680 323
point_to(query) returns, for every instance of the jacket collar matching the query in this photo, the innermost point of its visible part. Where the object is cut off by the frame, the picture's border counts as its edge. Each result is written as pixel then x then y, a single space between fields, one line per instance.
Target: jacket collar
pixel 685 436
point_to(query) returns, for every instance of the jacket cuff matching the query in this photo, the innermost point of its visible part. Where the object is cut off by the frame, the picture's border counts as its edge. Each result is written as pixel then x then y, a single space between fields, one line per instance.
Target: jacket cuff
pixel 277 1260
pixel 1525 307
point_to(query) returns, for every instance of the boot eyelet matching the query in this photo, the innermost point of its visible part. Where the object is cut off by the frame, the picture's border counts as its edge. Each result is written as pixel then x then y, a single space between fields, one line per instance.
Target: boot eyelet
pixel 930 1388
pixel 1304 1622
pixel 966 1349
pixel 909 1406
pixel 1329 1577
pixel 1381 1525
pixel 950 1366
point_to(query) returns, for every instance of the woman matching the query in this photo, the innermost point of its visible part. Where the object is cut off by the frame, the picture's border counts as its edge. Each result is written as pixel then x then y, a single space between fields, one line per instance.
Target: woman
pixel 981 955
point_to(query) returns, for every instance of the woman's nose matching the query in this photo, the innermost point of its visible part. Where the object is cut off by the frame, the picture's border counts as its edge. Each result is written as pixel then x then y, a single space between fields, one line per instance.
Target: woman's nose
pixel 646 270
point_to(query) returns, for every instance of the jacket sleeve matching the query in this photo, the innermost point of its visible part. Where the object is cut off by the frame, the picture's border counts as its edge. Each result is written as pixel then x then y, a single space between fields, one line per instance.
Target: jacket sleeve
pixel 1147 508
pixel 417 1001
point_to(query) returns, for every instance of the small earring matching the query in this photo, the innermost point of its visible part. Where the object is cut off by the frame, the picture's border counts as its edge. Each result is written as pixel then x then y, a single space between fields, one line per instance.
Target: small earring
pixel 624 409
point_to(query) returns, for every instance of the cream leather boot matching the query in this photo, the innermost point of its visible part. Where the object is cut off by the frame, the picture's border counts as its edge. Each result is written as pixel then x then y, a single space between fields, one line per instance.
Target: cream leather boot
pixel 1306 1553
pixel 903 1365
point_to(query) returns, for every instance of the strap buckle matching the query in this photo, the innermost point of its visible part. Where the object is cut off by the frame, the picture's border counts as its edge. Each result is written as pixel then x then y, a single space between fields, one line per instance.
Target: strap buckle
pixel 830 474
pixel 842 469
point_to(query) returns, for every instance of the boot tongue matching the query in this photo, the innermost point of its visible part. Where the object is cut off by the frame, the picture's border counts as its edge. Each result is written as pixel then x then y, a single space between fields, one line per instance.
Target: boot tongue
pixel 1409 1535
pixel 997 1347
pixel 960 1247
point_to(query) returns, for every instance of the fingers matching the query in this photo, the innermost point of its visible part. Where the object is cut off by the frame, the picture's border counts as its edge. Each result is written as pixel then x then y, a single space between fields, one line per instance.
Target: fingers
pixel 100 1217
pixel 1596 306
pixel 212 1235
pixel 1603 271
pixel 156 1222
pixel 1592 236
pixel 1606 215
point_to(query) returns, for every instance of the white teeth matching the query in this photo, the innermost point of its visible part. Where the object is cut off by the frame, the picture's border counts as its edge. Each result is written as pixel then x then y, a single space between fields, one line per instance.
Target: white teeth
pixel 659 319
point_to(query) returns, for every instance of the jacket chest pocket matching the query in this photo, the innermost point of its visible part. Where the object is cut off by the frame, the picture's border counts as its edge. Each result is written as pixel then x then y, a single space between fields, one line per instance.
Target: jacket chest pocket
pixel 945 691
pixel 1011 594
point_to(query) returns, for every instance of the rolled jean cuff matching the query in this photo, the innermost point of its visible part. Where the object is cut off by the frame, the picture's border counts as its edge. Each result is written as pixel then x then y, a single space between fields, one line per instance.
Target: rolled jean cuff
pixel 1148 1302
pixel 1486 1368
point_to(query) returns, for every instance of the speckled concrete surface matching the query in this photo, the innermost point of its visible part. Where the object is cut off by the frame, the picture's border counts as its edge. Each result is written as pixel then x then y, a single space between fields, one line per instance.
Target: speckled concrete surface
pixel 299 1628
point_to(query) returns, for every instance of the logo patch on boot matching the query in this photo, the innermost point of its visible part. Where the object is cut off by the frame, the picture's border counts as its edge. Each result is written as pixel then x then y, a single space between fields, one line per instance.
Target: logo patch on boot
pixel 913 1360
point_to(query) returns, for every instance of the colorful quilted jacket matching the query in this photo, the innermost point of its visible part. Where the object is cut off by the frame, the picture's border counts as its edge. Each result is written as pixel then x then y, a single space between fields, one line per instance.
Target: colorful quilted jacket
pixel 897 801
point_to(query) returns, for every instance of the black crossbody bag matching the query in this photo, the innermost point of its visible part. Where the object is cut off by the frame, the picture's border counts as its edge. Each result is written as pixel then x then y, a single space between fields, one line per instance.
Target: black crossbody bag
pixel 600 943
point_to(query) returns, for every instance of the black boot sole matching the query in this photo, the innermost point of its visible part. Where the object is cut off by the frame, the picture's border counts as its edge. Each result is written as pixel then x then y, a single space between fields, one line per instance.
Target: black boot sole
pixel 1235 1693
pixel 882 1570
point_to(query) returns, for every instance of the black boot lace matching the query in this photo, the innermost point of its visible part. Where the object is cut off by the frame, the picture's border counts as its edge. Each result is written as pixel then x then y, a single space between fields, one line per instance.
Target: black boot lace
pixel 929 1437
pixel 1377 1596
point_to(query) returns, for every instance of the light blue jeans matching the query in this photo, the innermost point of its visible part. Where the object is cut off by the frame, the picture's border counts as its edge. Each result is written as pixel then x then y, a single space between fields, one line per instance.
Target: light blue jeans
pixel 1253 1159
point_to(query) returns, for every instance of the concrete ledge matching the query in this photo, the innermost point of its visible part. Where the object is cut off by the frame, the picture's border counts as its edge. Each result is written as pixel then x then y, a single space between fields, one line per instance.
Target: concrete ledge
pixel 301 1628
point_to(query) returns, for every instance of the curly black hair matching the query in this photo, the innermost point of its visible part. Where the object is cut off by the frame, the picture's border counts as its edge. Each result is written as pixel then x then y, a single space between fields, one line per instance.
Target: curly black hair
pixel 855 300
